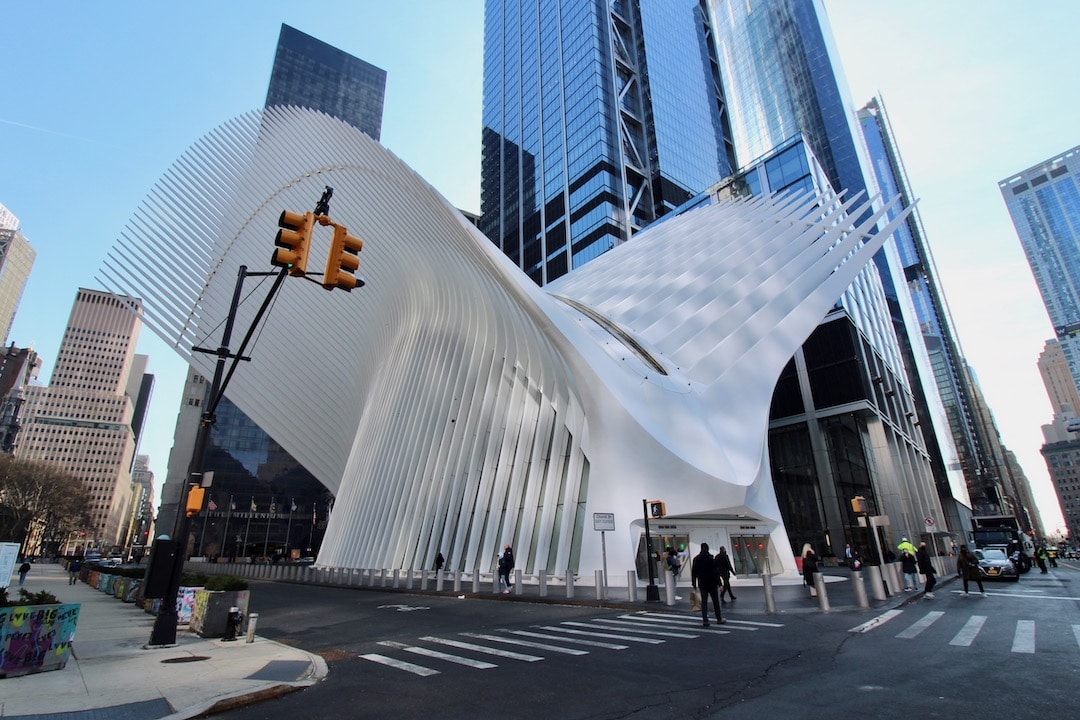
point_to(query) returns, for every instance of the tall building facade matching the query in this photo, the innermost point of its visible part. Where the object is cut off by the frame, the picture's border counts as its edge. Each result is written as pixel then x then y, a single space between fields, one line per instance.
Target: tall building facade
pixel 84 421
pixel 18 370
pixel 264 502
pixel 312 74
pixel 600 118
pixel 16 260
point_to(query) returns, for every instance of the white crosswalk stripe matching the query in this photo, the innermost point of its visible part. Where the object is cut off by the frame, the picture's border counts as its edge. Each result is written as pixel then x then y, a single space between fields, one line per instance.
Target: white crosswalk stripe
pixel 482 649
pixel 619 624
pixel 478 664
pixel 568 627
pixel 971 629
pixel 921 625
pixel 400 664
pixel 1024 639
pixel 579 641
pixel 527 643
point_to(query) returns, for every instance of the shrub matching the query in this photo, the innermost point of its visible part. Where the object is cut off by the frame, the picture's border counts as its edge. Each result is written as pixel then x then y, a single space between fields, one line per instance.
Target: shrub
pixel 28 598
pixel 214 582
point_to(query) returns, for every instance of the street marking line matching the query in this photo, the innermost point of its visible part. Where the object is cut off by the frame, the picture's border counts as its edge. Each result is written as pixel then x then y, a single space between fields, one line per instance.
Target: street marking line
pixel 1024 639
pixel 619 624
pixel 693 619
pixel 875 622
pixel 482 649
pixel 594 643
pixel 571 625
pixel 527 643
pixel 967 634
pixel 427 652
pixel 920 625
pixel 1076 632
pixel 400 664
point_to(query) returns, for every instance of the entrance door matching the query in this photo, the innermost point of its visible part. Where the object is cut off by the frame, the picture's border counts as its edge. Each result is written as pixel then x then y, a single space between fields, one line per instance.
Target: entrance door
pixel 748 553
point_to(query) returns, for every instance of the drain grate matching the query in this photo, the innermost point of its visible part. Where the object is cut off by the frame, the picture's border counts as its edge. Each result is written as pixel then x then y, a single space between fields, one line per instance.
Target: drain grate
pixel 187 659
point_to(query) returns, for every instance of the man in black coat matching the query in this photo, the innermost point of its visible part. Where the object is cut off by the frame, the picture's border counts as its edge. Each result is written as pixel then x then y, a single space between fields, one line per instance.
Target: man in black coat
pixel 922 557
pixel 703 576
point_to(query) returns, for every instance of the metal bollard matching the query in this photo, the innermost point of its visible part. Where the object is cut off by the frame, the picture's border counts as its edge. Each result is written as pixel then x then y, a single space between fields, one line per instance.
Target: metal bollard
pixel 631 585
pixel 543 583
pixel 669 587
pixel 495 589
pixel 822 593
pixel 600 594
pixel 383 576
pixel 519 587
pixel 457 581
pixel 253 620
pixel 423 580
pixel 439 580
pixel 770 599
pixel 569 584
pixel 859 584
pixel 397 578
pixel 476 580
pixel 877 588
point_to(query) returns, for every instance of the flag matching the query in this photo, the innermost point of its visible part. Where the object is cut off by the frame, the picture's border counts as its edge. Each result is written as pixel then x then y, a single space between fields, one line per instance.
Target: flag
pixel 232 504
pixel 292 508
pixel 273 507
pixel 254 507
pixel 211 505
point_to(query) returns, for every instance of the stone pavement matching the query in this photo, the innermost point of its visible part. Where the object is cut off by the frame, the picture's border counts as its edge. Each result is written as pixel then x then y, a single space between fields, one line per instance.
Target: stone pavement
pixel 112 676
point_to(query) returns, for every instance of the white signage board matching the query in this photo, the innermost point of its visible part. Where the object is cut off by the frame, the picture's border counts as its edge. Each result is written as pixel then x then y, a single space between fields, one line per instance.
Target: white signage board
pixel 9 553
pixel 603 521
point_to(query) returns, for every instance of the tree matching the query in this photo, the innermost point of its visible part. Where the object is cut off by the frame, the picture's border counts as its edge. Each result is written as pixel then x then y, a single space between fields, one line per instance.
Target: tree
pixel 34 492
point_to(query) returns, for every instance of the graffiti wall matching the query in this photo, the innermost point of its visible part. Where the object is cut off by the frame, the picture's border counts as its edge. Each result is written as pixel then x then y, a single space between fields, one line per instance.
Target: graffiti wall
pixel 35 638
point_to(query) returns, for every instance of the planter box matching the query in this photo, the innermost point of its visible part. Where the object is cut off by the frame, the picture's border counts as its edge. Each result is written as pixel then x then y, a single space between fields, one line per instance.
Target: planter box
pixel 36 638
pixel 210 615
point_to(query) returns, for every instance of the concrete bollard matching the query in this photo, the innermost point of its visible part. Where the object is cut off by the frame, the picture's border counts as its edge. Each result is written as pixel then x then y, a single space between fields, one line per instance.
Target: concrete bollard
pixel 669 588
pixel 409 579
pixel 770 599
pixel 397 578
pixel 253 620
pixel 600 594
pixel 423 580
pixel 439 580
pixel 822 593
pixel 495 582
pixel 877 588
pixel 543 583
pixel 859 584
pixel 569 584
pixel 891 576
pixel 457 582
pixel 476 580
pixel 631 585
pixel 519 586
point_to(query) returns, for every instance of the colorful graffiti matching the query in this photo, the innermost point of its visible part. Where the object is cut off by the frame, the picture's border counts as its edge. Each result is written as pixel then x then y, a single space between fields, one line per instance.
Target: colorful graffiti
pixel 36 638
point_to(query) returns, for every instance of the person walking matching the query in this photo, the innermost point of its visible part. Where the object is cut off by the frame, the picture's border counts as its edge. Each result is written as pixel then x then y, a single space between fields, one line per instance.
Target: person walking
pixel 439 561
pixel 506 566
pixel 967 565
pixel 23 569
pixel 703 576
pixel 809 567
pixel 1040 558
pixel 725 572
pixel 910 569
pixel 73 570
pixel 922 559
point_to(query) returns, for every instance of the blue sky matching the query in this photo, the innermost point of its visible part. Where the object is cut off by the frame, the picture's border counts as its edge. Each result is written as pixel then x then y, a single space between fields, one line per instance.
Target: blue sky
pixel 101 98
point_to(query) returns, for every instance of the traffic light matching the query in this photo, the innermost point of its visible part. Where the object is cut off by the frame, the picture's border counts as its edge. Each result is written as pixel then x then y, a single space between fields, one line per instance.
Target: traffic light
pixel 194 500
pixel 657 509
pixel 293 241
pixel 343 260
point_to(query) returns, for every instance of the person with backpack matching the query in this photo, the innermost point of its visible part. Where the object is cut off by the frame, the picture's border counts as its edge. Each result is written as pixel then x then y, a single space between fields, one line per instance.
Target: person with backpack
pixel 967 565
pixel 23 569
pixel 910 570
pixel 725 572
pixel 703 575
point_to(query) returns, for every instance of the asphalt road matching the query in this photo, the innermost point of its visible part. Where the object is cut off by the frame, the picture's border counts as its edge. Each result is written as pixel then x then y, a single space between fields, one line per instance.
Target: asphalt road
pixel 1012 654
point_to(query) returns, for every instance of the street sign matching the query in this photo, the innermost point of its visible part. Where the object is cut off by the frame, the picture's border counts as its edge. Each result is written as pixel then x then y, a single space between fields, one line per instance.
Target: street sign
pixel 931 526
pixel 603 521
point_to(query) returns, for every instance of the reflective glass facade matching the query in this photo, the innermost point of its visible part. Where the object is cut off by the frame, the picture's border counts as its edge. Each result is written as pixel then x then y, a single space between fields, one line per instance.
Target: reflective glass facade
pixel 309 73
pixel 598 118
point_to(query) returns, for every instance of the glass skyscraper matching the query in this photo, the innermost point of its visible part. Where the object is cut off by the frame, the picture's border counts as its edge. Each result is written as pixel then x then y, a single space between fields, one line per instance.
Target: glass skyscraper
pixel 602 119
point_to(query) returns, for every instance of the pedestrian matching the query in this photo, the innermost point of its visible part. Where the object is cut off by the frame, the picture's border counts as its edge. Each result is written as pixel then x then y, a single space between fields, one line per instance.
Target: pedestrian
pixel 725 572
pixel 506 566
pixel 673 561
pixel 684 558
pixel 906 546
pixel 703 576
pixel 73 570
pixel 439 561
pixel 23 569
pixel 1040 558
pixel 809 567
pixel 910 570
pixel 967 565
pixel 922 558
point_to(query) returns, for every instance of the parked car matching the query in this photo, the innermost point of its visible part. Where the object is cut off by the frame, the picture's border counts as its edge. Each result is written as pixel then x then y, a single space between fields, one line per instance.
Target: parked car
pixel 994 564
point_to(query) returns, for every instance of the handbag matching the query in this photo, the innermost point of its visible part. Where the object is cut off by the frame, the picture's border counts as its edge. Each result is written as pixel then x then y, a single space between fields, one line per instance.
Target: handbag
pixel 695 600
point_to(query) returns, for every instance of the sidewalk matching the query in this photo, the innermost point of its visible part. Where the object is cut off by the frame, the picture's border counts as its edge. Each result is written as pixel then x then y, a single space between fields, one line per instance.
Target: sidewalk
pixel 110 668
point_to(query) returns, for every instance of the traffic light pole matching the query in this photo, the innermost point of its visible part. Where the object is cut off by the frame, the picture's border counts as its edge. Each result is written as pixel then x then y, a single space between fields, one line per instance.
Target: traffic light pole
pixel 164 632
pixel 652 592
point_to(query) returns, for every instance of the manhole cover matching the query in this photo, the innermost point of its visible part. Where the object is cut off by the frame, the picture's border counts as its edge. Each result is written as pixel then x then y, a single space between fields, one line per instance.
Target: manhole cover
pixel 189 658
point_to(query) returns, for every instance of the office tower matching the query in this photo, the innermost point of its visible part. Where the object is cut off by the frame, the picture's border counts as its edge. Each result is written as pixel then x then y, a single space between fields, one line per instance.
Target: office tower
pixel 1058 380
pixel 16 260
pixel 142 519
pixel 584 128
pixel 583 143
pixel 257 485
pixel 1061 446
pixel 83 421
pixel 18 370
pixel 309 73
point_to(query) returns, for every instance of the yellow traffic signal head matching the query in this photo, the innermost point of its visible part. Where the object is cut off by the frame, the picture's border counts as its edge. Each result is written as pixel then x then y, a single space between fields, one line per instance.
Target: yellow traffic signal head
pixel 194 500
pixel 343 261
pixel 293 241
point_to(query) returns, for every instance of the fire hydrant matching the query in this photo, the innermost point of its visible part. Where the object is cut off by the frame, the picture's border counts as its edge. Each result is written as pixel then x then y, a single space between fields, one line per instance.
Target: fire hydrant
pixel 232 625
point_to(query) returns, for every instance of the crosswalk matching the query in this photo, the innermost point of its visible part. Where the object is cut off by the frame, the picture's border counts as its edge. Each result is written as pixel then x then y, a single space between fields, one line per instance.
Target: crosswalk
pixel 965 630
pixel 537 642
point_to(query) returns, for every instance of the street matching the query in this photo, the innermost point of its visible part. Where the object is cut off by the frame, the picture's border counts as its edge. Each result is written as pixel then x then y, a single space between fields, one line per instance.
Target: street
pixel 1012 654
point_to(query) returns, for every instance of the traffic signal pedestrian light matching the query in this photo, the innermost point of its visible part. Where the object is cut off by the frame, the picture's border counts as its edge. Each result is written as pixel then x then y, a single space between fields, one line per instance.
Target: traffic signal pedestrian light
pixel 657 509
pixel 194 500
pixel 343 260
pixel 293 241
